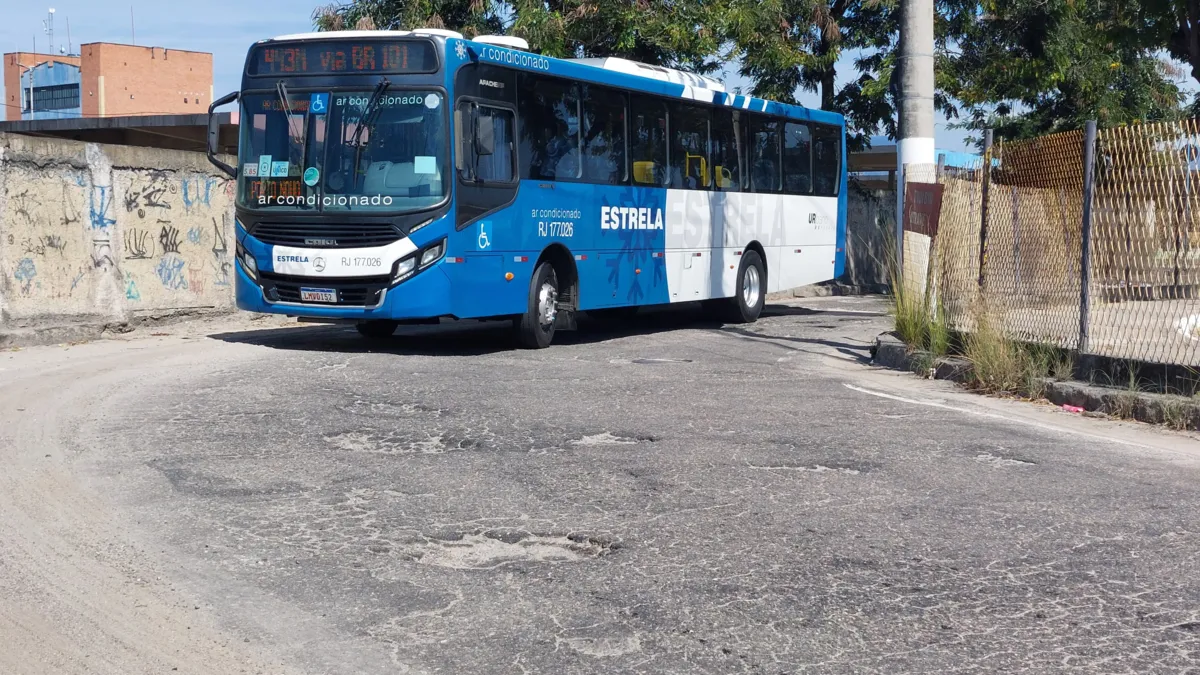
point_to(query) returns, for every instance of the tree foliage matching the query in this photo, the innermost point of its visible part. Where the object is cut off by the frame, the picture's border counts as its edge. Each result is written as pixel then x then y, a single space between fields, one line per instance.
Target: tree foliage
pixel 685 34
pixel 470 17
pixel 1023 67
pixel 1029 67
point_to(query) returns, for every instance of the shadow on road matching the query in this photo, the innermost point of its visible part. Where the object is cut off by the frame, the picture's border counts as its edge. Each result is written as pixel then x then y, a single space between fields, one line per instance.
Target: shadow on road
pixel 858 352
pixel 474 338
pixel 458 338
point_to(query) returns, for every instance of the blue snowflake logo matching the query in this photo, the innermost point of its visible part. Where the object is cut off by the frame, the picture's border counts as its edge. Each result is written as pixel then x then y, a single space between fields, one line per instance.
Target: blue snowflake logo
pixel 461 50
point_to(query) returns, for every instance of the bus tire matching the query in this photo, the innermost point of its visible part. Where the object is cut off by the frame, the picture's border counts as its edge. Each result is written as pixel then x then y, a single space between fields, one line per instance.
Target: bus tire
pixel 750 293
pixel 535 328
pixel 377 329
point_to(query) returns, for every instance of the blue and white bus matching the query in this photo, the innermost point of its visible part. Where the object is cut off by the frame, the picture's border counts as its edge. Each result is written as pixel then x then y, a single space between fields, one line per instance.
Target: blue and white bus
pixel 386 177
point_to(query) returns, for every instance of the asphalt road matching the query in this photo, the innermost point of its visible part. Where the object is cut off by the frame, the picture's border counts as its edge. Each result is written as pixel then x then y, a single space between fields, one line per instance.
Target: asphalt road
pixel 665 496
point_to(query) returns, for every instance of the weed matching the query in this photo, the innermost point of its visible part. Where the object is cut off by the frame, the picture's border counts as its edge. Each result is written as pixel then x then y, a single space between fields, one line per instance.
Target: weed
pixel 997 364
pixel 1121 405
pixel 919 322
pixel 1177 413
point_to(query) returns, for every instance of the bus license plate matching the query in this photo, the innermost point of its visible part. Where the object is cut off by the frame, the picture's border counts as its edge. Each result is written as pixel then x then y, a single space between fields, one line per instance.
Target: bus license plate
pixel 318 295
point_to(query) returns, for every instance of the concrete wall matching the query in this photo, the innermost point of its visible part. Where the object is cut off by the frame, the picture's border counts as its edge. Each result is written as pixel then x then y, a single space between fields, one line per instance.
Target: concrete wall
pixel 97 235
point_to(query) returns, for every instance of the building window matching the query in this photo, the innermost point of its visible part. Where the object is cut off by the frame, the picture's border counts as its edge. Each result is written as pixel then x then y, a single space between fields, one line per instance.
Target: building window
pixel 58 97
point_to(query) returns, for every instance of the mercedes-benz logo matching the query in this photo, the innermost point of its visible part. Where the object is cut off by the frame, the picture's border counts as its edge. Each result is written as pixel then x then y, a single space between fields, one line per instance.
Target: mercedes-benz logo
pixel 319 264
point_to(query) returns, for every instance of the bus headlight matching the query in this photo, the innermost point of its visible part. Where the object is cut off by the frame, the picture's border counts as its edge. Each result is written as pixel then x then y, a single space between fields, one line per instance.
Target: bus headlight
pixel 418 226
pixel 433 254
pixel 405 268
pixel 249 263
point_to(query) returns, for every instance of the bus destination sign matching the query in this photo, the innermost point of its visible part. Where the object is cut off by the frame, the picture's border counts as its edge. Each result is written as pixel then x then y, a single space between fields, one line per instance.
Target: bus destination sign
pixel 341 57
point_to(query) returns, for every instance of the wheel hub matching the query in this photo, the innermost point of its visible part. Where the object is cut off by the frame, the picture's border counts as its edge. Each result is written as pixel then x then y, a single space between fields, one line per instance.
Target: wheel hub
pixel 547 304
pixel 751 286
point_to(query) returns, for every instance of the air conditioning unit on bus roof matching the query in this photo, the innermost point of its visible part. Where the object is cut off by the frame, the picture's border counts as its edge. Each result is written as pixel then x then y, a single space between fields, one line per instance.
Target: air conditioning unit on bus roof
pixel 657 72
pixel 507 41
pixel 439 32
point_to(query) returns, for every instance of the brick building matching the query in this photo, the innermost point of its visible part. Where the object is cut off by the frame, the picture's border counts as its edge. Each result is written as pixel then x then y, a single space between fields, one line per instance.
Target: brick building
pixel 107 80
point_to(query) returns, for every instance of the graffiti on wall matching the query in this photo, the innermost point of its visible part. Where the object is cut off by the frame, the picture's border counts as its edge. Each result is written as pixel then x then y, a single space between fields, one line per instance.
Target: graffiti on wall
pixel 150 193
pixel 69 241
pixel 25 274
pixel 137 244
pixel 170 272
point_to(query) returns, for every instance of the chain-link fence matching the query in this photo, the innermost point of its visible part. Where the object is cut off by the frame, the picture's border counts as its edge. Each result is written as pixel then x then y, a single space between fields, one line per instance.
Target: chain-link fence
pixel 1120 279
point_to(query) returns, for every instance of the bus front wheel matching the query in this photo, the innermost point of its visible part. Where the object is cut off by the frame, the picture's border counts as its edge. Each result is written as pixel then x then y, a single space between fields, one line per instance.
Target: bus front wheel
pixel 535 328
pixel 750 293
pixel 377 329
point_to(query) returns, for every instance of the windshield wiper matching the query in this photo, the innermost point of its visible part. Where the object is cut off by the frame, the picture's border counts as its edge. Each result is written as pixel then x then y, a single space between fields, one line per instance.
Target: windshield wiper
pixel 299 136
pixel 370 109
pixel 367 119
pixel 281 90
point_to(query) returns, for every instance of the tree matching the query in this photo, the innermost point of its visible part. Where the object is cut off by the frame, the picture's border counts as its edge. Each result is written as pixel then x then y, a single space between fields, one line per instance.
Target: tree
pixel 787 46
pixel 470 17
pixel 677 33
pixel 1030 67
pixel 674 33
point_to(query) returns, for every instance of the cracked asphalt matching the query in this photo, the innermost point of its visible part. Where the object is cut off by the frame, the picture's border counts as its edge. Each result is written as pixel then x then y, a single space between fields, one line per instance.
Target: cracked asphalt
pixel 665 495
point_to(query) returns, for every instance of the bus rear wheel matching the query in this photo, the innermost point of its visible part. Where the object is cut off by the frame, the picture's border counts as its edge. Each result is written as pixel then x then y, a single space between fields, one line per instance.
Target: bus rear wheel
pixel 535 328
pixel 377 329
pixel 750 293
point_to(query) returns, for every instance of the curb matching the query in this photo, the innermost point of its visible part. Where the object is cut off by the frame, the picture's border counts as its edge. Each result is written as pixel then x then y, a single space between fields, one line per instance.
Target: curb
pixel 1177 412
pixel 828 290
pixel 86 331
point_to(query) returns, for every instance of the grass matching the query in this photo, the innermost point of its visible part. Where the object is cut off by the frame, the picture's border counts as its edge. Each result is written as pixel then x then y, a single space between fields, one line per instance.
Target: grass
pixel 1177 415
pixel 919 322
pixel 1000 365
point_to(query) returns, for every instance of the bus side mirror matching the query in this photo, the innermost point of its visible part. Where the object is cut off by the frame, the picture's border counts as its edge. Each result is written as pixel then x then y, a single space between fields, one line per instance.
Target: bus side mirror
pixel 214 133
pixel 485 135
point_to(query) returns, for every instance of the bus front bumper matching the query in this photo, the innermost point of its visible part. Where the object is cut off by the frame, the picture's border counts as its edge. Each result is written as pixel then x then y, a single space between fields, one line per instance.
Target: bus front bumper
pixel 423 296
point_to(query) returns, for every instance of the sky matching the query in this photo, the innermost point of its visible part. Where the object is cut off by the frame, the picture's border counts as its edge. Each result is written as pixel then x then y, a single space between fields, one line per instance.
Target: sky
pixel 227 28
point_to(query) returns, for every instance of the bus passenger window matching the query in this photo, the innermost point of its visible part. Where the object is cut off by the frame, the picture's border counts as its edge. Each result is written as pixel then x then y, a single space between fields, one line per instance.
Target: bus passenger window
pixel 498 166
pixel 604 136
pixel 727 145
pixel 827 150
pixel 764 155
pixel 689 147
pixel 797 159
pixel 550 141
pixel 648 141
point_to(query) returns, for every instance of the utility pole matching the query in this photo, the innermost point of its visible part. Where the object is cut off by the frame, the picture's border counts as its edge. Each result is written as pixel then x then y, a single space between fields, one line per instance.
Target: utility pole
pixel 915 70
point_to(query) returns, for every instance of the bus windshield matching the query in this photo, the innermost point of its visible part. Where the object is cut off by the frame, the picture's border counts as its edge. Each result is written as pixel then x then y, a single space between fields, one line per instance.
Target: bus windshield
pixel 333 151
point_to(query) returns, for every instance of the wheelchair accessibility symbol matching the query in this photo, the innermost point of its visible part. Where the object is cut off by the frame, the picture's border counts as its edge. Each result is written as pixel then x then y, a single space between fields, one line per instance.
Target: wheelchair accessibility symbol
pixel 484 241
pixel 319 104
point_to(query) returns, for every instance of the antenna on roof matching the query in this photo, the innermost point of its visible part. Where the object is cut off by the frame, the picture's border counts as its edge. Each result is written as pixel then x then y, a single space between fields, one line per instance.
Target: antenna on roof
pixel 132 30
pixel 68 36
pixel 48 27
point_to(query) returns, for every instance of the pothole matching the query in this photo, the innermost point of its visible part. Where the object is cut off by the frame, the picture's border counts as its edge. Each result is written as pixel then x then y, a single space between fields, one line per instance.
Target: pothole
pixel 495 548
pixel 997 460
pixel 809 468
pixel 608 438
pixel 376 409
pixel 390 443
pixel 603 646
